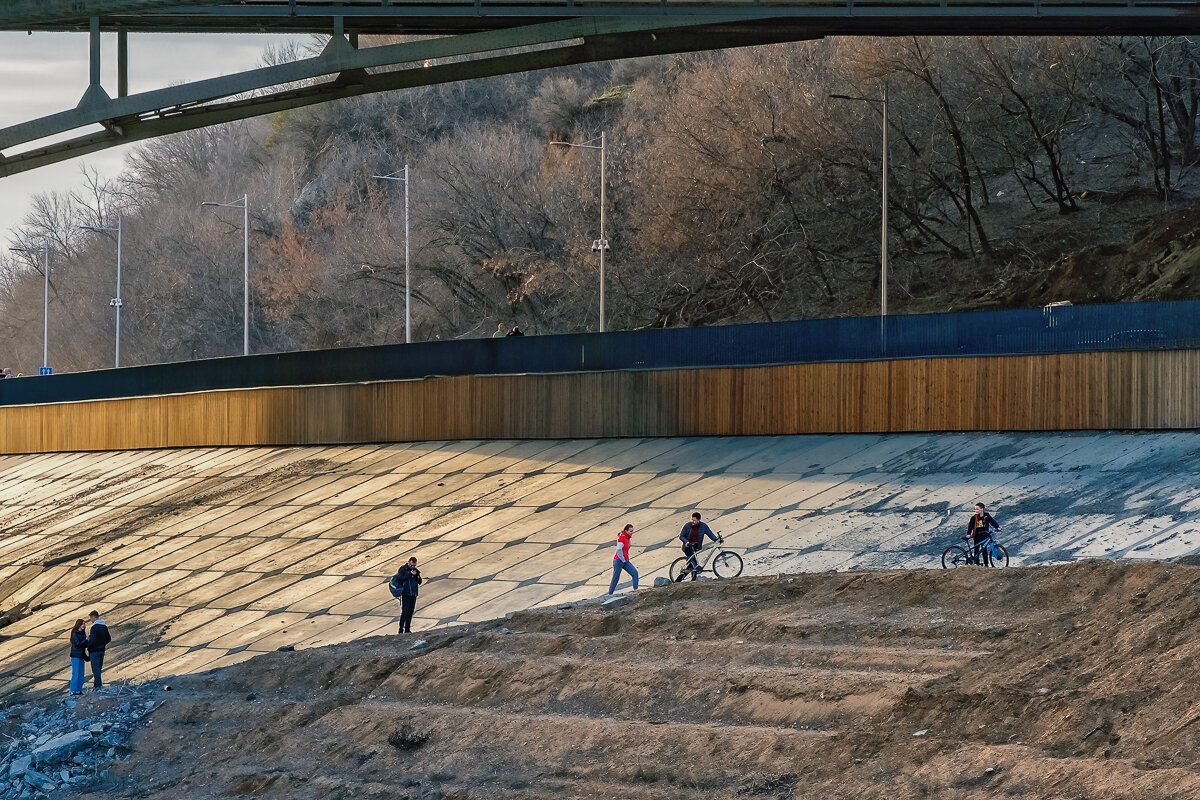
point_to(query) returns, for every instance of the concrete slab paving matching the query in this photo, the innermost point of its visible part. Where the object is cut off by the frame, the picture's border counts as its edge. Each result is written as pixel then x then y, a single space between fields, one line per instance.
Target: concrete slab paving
pixel 144 664
pixel 261 586
pixel 259 629
pixel 301 630
pixel 649 492
pixel 517 599
pixel 505 460
pixel 205 553
pixel 256 548
pixel 333 553
pixel 792 489
pixel 500 562
pixel 450 525
pixel 346 590
pixel 225 624
pixel 548 559
pixel 334 523
pixel 207 593
pixel 257 522
pixel 351 629
pixel 463 602
pixel 560 457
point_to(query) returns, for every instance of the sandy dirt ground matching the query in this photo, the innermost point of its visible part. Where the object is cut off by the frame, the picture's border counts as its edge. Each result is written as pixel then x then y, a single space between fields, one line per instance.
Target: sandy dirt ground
pixel 1072 681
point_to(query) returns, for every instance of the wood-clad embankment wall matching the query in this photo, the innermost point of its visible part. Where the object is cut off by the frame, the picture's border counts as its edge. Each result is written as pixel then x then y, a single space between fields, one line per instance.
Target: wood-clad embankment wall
pixel 1152 390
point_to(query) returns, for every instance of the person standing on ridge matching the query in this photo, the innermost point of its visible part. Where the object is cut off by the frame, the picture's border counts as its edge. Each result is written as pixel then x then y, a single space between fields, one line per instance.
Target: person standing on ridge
pixel 405 585
pixel 621 559
pixel 79 640
pixel 977 531
pixel 692 536
pixel 98 639
pixel 499 334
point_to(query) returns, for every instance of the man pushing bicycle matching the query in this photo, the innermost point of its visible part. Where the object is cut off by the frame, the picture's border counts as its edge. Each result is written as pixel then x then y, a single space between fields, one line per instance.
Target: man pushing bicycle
pixel 977 532
pixel 692 536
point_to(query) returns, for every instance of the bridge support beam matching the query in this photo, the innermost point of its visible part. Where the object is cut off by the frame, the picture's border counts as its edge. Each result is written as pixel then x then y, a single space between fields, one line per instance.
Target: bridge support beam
pixel 428 62
pixel 122 63
pixel 482 39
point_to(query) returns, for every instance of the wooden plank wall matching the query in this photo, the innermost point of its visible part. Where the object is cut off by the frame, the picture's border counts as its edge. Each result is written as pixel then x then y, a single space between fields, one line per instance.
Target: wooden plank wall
pixel 1089 391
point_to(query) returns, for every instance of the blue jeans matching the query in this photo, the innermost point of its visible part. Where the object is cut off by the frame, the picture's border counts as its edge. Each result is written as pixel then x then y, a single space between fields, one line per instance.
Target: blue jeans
pixel 617 567
pixel 97 663
pixel 76 675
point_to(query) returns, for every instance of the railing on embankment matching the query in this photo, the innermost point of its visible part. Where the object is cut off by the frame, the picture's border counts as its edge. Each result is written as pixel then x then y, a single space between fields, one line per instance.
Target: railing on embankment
pixel 1129 366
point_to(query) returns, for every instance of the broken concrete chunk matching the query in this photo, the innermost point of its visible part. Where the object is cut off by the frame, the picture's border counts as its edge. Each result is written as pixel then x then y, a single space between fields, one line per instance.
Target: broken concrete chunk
pixel 61 748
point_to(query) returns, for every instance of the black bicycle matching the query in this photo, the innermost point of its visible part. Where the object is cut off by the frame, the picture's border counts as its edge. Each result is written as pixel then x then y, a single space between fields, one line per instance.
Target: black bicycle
pixel 988 553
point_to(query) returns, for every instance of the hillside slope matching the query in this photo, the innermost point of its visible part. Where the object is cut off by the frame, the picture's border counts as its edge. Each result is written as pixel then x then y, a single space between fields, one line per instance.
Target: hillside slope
pixel 202 558
pixel 1073 681
pixel 1160 260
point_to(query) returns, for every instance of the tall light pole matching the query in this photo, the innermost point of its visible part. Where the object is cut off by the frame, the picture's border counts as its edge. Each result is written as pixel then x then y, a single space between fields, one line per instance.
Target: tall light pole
pixel 245 206
pixel 116 301
pixel 393 176
pixel 883 246
pixel 45 302
pixel 599 245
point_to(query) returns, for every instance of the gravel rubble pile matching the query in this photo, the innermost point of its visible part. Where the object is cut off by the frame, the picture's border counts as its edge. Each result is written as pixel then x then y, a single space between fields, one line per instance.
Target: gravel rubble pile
pixel 68 743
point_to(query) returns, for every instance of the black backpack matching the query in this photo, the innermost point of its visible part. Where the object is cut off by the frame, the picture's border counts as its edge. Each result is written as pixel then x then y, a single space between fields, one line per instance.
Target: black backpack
pixel 396 585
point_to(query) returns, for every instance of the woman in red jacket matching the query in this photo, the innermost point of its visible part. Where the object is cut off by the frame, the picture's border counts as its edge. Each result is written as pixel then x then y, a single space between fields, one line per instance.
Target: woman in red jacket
pixel 621 559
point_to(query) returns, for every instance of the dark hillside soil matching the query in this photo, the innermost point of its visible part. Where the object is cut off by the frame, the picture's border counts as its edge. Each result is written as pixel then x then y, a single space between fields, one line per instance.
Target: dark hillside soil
pixel 1074 681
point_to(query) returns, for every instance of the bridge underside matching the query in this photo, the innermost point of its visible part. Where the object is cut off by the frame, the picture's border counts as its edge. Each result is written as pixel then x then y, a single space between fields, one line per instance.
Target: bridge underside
pixel 818 17
pixel 476 39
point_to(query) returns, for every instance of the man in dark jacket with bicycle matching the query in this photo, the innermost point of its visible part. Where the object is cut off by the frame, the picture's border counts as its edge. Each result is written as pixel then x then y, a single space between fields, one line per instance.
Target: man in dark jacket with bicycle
pixel 977 532
pixel 692 536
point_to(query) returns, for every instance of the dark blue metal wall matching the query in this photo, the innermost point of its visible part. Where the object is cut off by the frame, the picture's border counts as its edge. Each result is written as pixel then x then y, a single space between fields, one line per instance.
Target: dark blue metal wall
pixel 1060 329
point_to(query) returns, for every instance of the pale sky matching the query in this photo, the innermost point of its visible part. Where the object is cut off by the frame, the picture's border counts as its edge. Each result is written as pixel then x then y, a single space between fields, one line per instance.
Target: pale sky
pixel 48 72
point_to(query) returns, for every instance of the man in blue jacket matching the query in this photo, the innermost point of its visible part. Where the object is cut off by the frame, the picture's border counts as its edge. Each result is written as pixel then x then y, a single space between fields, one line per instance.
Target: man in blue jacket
pixel 98 639
pixel 692 536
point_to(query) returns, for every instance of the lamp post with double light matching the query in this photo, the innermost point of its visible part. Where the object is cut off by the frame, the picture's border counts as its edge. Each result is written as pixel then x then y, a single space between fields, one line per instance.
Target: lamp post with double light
pixel 245 206
pixel 45 250
pixel 116 301
pixel 883 257
pixel 395 176
pixel 599 245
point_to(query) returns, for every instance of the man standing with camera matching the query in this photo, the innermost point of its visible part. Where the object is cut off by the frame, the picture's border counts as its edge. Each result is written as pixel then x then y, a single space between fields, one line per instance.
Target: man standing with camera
pixel 404 586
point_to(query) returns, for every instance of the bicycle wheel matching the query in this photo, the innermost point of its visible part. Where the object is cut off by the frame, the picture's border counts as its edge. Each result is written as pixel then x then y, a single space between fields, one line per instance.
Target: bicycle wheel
pixel 999 558
pixel 955 556
pixel 727 565
pixel 679 569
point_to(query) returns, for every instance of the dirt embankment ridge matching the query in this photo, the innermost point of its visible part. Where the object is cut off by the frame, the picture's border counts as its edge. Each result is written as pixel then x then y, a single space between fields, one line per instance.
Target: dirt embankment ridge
pixel 1074 681
pixel 1160 260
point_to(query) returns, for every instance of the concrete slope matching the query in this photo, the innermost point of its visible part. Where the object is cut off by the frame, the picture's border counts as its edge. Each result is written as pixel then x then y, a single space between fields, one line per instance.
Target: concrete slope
pixel 202 558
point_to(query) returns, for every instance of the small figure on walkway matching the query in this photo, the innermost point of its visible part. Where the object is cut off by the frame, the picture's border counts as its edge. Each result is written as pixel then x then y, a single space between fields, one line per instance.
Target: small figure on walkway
pixel 404 585
pixel 692 536
pixel 977 531
pixel 621 559
pixel 6 373
pixel 98 639
pixel 79 640
pixel 516 331
pixel 499 334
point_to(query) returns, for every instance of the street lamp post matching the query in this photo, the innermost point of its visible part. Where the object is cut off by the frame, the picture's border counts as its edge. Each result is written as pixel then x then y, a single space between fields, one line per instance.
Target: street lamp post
pixel 407 278
pixel 245 206
pixel 883 246
pixel 45 302
pixel 116 301
pixel 599 245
